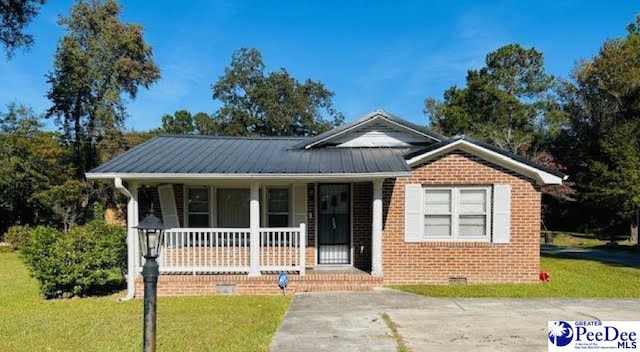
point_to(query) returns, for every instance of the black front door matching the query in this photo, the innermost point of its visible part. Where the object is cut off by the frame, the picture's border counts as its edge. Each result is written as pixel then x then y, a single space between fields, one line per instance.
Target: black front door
pixel 334 224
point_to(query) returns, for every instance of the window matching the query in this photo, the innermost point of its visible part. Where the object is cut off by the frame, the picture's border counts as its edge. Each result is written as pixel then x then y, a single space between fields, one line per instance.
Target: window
pixel 198 207
pixel 437 219
pixel 457 213
pixel 233 207
pixel 277 207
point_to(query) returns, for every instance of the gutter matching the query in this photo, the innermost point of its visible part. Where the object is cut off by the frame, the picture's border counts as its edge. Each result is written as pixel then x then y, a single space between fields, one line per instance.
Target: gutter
pixel 247 176
pixel 131 276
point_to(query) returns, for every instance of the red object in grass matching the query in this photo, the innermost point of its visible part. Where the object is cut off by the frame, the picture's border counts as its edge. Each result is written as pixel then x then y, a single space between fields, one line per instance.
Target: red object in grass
pixel 544 276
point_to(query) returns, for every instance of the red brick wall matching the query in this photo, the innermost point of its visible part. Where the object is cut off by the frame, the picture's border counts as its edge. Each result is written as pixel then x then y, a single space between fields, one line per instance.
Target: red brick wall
pixel 266 284
pixel 362 217
pixel 311 225
pixel 436 262
pixel 178 193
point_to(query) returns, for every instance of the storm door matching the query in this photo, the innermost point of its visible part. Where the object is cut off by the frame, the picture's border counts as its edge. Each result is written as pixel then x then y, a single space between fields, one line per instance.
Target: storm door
pixel 334 224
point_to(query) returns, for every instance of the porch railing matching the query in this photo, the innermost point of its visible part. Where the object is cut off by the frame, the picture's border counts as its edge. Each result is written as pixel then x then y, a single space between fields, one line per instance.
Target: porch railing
pixel 227 250
pixel 282 248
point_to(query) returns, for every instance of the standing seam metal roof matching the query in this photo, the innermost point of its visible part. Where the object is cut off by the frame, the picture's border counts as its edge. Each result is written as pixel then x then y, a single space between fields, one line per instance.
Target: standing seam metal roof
pixel 228 155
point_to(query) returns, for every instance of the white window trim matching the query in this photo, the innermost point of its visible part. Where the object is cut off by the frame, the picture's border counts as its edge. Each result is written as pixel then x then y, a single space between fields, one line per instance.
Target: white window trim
pixel 186 189
pixel 455 215
pixel 266 212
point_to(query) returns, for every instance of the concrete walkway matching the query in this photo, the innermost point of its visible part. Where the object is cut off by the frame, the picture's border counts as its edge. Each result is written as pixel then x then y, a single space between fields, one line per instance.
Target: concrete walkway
pixel 353 321
pixel 615 257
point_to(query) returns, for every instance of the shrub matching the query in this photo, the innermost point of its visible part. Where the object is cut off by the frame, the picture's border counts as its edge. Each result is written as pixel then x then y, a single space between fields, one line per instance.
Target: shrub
pixel 17 236
pixel 86 260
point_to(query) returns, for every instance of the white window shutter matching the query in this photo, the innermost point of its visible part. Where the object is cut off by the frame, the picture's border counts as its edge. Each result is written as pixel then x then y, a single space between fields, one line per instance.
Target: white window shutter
pixel 501 214
pixel 413 213
pixel 299 204
pixel 168 206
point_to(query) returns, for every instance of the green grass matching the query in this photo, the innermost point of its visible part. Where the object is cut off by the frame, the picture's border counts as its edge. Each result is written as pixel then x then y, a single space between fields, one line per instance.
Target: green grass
pixel 569 278
pixel 402 347
pixel 213 323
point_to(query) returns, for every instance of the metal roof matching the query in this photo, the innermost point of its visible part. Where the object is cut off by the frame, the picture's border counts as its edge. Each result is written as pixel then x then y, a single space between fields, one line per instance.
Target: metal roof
pixel 189 156
pixel 248 155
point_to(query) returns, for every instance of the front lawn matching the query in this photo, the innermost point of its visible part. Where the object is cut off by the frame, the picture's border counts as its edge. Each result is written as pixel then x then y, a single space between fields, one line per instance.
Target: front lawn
pixel 214 323
pixel 569 278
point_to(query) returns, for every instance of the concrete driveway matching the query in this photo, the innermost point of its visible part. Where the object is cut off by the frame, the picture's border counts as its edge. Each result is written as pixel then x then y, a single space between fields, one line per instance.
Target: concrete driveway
pixel 353 321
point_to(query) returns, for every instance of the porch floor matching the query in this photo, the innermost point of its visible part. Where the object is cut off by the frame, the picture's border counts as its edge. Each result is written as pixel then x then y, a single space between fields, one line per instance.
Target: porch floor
pixel 327 270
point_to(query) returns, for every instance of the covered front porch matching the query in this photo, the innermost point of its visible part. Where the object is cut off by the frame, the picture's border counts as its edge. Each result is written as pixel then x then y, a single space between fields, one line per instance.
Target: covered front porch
pixel 293 226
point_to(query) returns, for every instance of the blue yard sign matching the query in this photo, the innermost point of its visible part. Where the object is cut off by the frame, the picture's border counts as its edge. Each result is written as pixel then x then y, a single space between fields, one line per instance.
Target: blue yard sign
pixel 283 280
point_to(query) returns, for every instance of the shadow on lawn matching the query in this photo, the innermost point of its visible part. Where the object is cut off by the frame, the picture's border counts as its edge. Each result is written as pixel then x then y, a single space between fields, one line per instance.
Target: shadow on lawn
pixel 614 258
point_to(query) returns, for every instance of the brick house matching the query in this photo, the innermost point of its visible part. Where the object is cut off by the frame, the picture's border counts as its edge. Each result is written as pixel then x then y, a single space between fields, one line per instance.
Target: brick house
pixel 377 201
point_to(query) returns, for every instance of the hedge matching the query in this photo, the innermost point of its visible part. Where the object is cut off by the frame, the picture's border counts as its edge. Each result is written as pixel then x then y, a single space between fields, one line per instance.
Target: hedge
pixel 87 260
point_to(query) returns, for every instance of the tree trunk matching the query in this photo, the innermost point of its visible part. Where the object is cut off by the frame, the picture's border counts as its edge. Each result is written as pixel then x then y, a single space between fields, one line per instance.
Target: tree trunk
pixel 633 233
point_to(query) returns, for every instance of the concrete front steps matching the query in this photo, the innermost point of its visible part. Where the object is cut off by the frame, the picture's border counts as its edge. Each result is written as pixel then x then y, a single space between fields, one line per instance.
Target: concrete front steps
pixel 325 281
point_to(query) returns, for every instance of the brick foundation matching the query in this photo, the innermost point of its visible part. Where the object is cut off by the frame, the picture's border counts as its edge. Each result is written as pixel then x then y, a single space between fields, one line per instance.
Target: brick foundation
pixel 193 285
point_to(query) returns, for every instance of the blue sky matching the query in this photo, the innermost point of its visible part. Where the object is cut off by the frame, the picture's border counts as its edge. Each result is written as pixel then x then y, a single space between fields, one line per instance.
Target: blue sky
pixel 373 54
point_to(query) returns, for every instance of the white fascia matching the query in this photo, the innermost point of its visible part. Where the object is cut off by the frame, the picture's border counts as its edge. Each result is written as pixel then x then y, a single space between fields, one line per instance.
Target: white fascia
pixel 248 176
pixel 542 177
pixel 333 136
pixel 375 116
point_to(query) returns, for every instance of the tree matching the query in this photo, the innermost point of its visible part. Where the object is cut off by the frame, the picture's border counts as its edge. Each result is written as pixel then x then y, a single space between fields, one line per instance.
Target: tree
pixel 98 62
pixel 182 122
pixel 205 124
pixel 121 141
pixel 507 103
pixel 15 16
pixel 274 104
pixel 601 144
pixel 31 161
pixel 511 103
pixel 68 201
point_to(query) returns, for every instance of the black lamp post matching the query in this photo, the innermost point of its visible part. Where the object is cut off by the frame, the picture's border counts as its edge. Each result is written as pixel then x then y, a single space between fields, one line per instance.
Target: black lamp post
pixel 151 233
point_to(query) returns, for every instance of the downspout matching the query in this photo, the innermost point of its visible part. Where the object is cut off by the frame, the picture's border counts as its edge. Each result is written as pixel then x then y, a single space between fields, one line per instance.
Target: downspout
pixel 131 210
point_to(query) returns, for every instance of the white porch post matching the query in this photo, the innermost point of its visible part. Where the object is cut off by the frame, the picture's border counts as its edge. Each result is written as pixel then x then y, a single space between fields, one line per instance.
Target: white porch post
pixel 254 228
pixel 376 230
pixel 303 247
pixel 132 239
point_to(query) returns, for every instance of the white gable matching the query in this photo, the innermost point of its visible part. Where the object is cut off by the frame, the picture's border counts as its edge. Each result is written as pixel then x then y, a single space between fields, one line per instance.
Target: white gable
pixel 376 129
pixel 379 133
